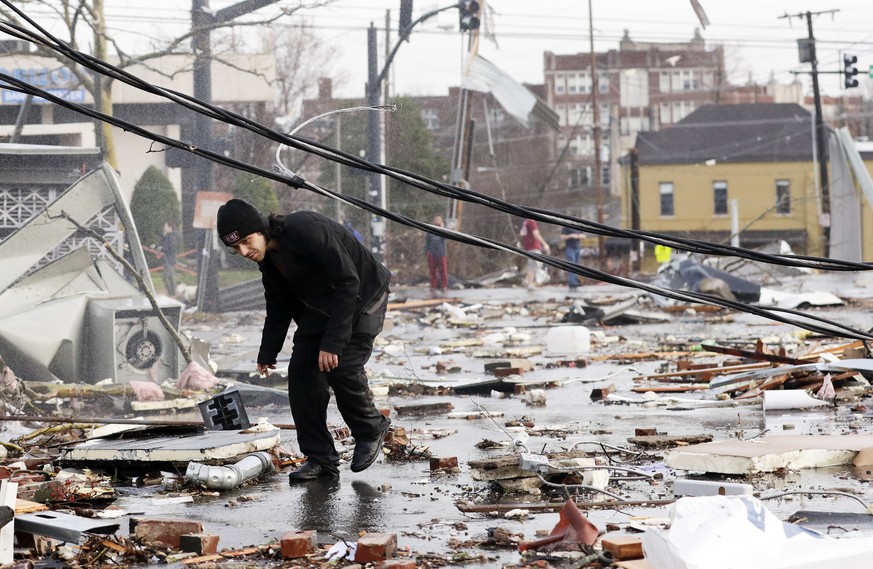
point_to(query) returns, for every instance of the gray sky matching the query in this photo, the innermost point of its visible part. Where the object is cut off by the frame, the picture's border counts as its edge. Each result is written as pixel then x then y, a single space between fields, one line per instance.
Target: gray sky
pixel 756 41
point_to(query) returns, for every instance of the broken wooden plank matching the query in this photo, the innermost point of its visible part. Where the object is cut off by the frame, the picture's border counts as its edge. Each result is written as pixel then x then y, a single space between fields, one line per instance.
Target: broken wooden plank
pixel 640 356
pixel 623 546
pixel 757 355
pixel 544 507
pixel 716 370
pixel 670 388
pixel 424 408
pixel 424 303
pixel 23 506
pixel 668 441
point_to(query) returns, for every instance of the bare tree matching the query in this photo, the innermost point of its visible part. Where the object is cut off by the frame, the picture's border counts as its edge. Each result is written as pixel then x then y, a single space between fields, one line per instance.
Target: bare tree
pixel 302 59
pixel 84 29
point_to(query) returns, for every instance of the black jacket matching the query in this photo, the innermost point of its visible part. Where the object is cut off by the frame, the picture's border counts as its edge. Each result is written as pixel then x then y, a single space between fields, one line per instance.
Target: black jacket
pixel 327 279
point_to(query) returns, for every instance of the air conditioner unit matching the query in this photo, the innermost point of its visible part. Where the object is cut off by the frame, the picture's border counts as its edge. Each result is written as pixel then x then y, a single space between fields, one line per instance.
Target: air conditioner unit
pixel 127 341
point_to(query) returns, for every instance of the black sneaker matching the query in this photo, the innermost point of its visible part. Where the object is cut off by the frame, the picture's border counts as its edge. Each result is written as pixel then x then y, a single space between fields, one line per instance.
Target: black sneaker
pixel 311 471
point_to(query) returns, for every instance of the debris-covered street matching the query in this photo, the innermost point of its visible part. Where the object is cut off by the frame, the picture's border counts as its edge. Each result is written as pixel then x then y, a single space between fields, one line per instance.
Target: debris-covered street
pixel 502 413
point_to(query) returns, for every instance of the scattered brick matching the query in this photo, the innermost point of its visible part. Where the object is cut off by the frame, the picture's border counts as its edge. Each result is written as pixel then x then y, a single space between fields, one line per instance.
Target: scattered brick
pixel 447 463
pixel 375 547
pixel 623 547
pixel 199 543
pixel 299 544
pixel 163 531
pixel 599 393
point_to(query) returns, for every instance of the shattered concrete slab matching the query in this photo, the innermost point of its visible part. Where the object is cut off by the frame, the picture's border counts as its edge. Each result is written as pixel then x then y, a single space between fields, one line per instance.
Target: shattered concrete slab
pixel 769 454
pixel 215 445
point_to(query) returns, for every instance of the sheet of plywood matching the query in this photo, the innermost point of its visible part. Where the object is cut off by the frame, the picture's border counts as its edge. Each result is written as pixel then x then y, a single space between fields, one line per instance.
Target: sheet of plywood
pixel 26 506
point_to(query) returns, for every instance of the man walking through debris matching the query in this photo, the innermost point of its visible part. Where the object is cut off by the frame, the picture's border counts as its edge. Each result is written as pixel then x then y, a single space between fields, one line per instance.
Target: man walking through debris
pixel 437 264
pixel 531 240
pixel 316 273
pixel 572 252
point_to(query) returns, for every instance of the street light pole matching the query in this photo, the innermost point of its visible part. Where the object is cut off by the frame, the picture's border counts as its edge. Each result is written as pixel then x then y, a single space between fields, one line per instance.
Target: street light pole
pixel 375 182
pixel 375 191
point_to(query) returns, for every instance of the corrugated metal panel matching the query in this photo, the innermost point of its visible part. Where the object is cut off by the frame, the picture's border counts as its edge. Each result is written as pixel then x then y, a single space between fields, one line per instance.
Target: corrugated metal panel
pixel 247 296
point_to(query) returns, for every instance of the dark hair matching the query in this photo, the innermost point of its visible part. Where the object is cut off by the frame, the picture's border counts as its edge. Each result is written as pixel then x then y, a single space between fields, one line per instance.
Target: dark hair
pixel 277 225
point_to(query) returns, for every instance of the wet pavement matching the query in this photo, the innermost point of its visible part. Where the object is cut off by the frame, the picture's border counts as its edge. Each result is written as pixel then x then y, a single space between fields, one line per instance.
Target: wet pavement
pixel 422 507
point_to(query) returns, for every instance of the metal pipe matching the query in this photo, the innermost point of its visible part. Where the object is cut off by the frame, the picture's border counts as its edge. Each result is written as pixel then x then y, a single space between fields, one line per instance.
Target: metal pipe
pixel 231 475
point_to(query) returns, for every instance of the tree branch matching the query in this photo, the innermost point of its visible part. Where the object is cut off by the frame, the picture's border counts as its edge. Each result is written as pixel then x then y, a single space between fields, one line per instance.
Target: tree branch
pixel 186 353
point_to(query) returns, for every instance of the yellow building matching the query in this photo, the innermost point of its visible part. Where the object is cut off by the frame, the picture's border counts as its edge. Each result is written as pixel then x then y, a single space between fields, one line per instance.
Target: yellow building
pixel 756 158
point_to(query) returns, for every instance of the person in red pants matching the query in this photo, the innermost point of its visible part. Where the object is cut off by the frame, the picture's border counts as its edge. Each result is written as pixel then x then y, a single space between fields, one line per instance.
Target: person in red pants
pixel 437 263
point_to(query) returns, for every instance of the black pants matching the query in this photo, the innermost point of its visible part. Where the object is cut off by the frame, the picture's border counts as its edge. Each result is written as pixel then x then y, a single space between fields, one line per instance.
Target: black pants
pixel 309 395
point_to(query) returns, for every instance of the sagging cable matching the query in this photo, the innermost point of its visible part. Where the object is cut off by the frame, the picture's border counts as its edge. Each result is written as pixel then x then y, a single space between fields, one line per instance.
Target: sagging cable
pixel 807 322
pixel 445 190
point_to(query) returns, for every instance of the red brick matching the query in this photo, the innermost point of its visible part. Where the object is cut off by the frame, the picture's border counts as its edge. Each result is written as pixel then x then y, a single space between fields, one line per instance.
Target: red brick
pixel 448 463
pixel 397 564
pixel 199 543
pixel 164 531
pixel 599 393
pixel 646 432
pixel 375 547
pixel 299 544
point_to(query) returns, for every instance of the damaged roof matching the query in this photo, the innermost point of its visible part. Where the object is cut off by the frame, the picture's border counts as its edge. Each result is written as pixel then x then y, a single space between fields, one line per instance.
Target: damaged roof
pixel 756 132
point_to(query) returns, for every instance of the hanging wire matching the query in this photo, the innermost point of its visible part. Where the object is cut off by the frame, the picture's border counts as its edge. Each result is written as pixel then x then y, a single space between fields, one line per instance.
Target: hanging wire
pixel 809 322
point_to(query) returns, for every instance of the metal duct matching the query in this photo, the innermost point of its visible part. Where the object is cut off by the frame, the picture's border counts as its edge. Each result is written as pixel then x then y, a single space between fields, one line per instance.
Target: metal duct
pixel 231 475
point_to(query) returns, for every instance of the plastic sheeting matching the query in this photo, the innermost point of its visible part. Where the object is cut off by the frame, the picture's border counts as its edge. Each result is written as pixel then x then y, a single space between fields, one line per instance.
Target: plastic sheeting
pixel 729 532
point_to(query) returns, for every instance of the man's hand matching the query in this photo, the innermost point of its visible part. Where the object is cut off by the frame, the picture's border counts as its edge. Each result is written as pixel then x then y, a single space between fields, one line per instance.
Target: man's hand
pixel 264 369
pixel 327 361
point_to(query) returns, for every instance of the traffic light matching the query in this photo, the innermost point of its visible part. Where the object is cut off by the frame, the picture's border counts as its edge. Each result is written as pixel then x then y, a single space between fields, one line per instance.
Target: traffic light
pixel 849 71
pixel 469 15
pixel 405 15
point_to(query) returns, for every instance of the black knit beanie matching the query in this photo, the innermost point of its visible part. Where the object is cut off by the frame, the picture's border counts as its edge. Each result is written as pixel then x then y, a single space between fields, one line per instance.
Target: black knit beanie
pixel 237 219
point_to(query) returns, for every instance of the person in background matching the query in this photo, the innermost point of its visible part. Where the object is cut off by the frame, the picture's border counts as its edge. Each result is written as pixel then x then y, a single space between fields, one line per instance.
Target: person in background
pixel 168 249
pixel 531 240
pixel 572 252
pixel 348 225
pixel 437 263
pixel 317 274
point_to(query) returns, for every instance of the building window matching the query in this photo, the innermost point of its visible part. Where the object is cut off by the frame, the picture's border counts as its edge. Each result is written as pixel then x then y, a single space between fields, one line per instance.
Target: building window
pixel 783 196
pixel 559 83
pixel 603 82
pixel 562 114
pixel 666 191
pixel 579 176
pixel 720 198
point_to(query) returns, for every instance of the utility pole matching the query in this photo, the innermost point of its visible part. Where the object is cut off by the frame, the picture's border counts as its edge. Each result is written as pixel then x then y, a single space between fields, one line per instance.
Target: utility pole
pixel 809 55
pixel 598 174
pixel 375 192
pixel 469 21
pixel 203 21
